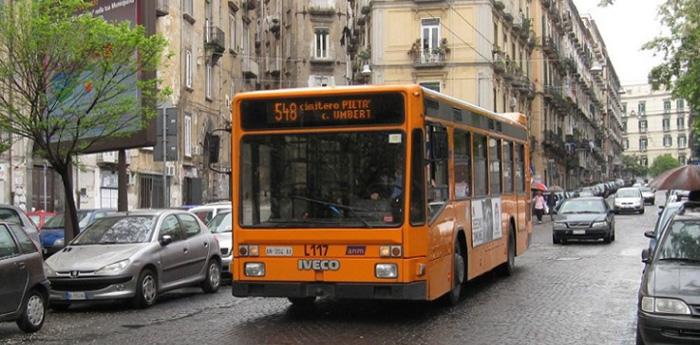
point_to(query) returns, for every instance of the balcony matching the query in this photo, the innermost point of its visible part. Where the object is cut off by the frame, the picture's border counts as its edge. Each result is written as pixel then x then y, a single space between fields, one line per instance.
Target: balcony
pixel 322 7
pixel 550 47
pixel 428 59
pixel 215 39
pixel 554 142
pixel 250 68
pixel 162 8
pixel 499 63
pixel 107 158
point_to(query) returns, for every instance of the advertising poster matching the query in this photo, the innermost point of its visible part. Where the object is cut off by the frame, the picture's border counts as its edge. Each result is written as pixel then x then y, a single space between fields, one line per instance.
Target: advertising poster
pixel 486 220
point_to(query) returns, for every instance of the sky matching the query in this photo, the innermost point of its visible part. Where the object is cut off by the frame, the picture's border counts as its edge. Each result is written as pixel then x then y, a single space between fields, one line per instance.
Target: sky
pixel 625 27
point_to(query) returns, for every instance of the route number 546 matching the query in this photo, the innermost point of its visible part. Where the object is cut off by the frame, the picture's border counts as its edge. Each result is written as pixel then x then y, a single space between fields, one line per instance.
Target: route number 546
pixel 285 112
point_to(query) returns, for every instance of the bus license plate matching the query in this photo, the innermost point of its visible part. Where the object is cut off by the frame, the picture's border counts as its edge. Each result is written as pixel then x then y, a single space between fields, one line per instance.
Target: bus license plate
pixel 75 296
pixel 278 251
pixel 579 232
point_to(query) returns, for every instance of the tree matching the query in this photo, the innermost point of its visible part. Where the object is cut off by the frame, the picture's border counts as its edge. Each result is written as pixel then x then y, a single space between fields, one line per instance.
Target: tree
pixel 631 166
pixel 663 163
pixel 67 80
pixel 679 46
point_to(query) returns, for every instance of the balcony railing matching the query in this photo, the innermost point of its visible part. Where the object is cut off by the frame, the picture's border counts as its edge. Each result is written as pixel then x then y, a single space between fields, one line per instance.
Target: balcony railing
pixel 215 39
pixel 250 68
pixel 429 59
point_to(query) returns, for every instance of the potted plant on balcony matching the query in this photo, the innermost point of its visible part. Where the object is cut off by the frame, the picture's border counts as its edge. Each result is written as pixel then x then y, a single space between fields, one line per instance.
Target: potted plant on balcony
pixel 415 50
pixel 443 49
pixel 499 5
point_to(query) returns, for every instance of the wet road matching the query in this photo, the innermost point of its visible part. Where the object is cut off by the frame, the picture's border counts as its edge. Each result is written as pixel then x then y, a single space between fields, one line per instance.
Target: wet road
pixel 580 293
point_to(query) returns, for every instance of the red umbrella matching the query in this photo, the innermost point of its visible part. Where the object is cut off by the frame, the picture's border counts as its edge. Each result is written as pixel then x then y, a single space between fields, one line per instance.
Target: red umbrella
pixel 686 177
pixel 538 186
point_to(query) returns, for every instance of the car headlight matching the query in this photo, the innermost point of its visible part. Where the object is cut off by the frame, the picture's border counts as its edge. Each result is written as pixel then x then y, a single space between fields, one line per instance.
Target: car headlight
pixel 559 225
pixel 114 268
pixel 48 271
pixel 602 224
pixel 664 306
pixel 59 242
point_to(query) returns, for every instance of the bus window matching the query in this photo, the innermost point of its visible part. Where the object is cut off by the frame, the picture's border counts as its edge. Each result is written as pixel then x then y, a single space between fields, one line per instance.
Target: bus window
pixel 519 169
pixel 507 167
pixel 463 164
pixel 438 188
pixel 481 171
pixel 417 179
pixel 495 165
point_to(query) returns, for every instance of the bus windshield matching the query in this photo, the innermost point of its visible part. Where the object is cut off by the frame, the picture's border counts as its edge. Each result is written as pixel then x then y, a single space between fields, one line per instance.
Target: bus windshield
pixel 351 179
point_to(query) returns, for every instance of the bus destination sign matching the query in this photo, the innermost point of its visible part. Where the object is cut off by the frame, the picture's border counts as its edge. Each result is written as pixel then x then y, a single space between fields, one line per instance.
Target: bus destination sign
pixel 323 111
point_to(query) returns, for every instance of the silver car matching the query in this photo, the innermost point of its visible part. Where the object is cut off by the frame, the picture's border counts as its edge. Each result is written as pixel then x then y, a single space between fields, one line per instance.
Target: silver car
pixel 628 200
pixel 220 226
pixel 135 255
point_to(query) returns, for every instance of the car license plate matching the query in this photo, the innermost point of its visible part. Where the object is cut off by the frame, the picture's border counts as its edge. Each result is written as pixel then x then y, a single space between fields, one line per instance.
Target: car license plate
pixel 579 232
pixel 75 296
pixel 278 251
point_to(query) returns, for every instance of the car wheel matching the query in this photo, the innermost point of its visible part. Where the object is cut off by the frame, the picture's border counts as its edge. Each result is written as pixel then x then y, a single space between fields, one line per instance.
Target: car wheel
pixel 639 340
pixel 146 289
pixel 302 302
pixel 642 211
pixel 607 238
pixel 33 312
pixel 612 238
pixel 212 281
pixel 562 240
pixel 454 295
pixel 555 239
pixel 59 306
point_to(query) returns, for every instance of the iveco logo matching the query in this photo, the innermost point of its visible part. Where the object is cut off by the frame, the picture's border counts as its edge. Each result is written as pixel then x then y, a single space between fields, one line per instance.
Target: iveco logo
pixel 319 265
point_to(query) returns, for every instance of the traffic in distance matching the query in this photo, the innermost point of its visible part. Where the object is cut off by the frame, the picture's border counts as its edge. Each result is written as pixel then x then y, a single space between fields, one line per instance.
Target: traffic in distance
pixel 410 203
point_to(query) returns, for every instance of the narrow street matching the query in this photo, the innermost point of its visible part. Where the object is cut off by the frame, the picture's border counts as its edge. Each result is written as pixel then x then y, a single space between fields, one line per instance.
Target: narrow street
pixel 580 293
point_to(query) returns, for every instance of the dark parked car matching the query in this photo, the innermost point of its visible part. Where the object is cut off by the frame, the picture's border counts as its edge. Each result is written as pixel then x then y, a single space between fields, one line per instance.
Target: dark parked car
pixel 665 215
pixel 583 218
pixel 669 298
pixel 24 290
pixel 53 232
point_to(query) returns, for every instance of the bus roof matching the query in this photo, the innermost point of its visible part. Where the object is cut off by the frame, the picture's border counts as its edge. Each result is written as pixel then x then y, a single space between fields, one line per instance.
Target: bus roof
pixel 514 118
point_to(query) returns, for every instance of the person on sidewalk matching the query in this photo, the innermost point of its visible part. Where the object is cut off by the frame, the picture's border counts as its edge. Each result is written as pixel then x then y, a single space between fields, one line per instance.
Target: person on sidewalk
pixel 540 206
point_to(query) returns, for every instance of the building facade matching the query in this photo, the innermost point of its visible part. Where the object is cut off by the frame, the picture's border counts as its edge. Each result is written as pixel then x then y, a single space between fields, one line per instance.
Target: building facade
pixel 655 124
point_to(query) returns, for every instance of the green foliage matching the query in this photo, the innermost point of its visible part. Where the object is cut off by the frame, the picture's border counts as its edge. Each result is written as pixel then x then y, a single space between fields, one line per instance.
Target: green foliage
pixel 680 47
pixel 663 163
pixel 631 165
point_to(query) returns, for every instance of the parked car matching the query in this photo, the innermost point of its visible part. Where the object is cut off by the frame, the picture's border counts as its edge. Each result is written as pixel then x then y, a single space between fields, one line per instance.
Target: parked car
pixel 53 232
pixel 628 200
pixel 40 217
pixel 24 289
pixel 649 195
pixel 668 296
pixel 665 215
pixel 583 218
pixel 220 226
pixel 207 212
pixel 15 215
pixel 136 256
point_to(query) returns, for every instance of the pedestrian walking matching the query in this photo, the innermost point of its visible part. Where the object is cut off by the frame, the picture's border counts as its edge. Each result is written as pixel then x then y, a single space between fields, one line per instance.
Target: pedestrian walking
pixel 540 206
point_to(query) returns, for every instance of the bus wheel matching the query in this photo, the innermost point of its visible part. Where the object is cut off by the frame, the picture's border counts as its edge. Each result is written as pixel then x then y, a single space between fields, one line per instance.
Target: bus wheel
pixel 302 301
pixel 453 297
pixel 509 266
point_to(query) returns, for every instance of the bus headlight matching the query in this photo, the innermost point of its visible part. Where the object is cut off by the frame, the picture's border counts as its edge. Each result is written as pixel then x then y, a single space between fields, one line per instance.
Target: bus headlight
pixel 254 269
pixel 386 271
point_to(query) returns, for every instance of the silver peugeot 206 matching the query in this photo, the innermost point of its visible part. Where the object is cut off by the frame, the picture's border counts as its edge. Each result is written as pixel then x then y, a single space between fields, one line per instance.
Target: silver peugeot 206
pixel 137 256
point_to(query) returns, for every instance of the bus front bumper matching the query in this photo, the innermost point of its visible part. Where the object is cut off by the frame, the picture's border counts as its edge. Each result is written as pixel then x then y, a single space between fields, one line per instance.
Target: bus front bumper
pixel 398 291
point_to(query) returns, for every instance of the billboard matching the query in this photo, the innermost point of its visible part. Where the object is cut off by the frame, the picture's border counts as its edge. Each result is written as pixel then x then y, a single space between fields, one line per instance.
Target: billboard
pixel 486 220
pixel 137 12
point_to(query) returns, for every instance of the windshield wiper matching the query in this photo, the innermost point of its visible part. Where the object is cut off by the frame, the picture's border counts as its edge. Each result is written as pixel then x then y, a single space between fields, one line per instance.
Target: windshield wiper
pixel 332 204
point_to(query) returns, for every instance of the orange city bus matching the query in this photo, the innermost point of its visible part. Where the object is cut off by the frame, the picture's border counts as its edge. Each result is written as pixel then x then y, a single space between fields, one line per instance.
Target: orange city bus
pixel 374 192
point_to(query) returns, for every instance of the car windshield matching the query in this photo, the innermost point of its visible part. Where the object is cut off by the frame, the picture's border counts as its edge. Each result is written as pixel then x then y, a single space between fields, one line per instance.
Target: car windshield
pixel 220 223
pixel 117 230
pixel 627 193
pixel 59 221
pixel 9 215
pixel 582 206
pixel 681 241
pixel 321 180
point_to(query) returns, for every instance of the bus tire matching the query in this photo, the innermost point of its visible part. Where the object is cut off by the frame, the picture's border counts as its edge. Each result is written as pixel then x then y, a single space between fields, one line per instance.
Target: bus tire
pixel 508 267
pixel 302 301
pixel 458 277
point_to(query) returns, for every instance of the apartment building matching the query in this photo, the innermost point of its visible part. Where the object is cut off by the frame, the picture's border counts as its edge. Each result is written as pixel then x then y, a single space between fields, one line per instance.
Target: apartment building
pixel 655 123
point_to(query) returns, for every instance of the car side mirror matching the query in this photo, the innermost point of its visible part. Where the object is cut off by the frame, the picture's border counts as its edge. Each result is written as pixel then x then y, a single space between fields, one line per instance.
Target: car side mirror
pixel 166 239
pixel 646 255
pixel 661 207
pixel 649 234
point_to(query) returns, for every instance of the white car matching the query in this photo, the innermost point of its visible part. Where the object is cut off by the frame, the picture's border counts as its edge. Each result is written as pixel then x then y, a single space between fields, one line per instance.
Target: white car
pixel 221 227
pixel 648 195
pixel 207 212
pixel 628 200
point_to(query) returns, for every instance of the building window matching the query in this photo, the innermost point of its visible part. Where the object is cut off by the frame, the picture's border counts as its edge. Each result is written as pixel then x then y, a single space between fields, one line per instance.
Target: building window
pixel 321 80
pixel 187 8
pixel 681 159
pixel 668 141
pixel 188 135
pixel 232 28
pixel 188 68
pixel 432 85
pixel 430 35
pixel 321 44
pixel 626 144
pixel 642 107
pixel 108 189
pixel 681 141
pixel 642 125
pixel 643 144
pixel 643 161
pixel 680 104
pixel 666 124
pixel 245 40
pixel 624 108
pixel 624 126
pixel 667 106
pixel 680 122
pixel 209 82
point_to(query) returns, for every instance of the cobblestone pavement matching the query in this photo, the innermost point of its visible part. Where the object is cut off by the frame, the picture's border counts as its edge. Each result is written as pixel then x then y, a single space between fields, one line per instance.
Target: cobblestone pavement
pixel 583 293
